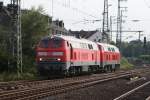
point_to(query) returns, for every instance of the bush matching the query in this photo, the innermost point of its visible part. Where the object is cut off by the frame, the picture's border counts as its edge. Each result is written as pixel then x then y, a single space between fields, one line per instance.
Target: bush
pixel 145 58
pixel 14 76
pixel 7 62
pixel 8 67
pixel 125 64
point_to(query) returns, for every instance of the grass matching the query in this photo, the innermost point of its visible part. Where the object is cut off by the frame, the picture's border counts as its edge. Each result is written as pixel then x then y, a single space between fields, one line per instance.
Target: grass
pixel 29 73
pixel 125 64
pixel 5 76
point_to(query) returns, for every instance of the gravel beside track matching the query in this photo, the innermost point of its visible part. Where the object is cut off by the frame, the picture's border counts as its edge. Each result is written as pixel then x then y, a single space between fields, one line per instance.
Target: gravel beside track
pixel 140 94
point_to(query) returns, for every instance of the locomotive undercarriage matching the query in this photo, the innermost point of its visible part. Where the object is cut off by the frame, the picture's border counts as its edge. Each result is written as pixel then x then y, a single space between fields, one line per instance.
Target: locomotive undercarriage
pixel 51 69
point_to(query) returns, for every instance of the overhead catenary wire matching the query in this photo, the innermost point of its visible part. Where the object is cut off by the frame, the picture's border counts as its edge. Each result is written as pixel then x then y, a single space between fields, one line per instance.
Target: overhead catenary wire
pixel 85 21
pixel 76 9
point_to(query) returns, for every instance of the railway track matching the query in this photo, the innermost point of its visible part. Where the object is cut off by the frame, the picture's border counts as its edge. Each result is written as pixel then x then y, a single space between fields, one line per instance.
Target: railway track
pixel 139 93
pixel 16 85
pixel 13 85
pixel 41 89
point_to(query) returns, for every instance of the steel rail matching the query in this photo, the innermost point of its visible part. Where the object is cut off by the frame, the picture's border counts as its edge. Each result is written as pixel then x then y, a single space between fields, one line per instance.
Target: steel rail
pixel 148 98
pixel 132 91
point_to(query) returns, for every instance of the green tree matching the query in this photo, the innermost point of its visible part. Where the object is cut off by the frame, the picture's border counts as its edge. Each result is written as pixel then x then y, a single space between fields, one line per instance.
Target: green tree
pixel 132 49
pixel 34 26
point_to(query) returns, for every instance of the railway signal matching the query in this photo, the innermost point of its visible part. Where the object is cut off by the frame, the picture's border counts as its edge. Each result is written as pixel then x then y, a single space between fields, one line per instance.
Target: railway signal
pixel 145 46
pixel 144 41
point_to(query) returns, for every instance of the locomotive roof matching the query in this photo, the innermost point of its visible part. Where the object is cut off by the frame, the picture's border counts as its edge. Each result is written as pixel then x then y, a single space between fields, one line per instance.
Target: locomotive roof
pixel 76 41
pixel 109 47
pixel 72 38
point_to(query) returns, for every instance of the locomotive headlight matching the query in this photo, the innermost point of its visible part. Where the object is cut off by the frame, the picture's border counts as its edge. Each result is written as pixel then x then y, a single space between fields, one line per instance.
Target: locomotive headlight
pixel 40 59
pixel 58 59
pixel 57 53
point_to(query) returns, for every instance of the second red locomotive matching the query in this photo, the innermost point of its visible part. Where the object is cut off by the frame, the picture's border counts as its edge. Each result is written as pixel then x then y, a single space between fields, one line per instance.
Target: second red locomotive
pixel 67 55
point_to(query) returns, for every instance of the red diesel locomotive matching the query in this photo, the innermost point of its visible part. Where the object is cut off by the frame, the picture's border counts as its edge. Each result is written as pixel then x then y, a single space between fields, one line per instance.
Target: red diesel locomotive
pixel 67 55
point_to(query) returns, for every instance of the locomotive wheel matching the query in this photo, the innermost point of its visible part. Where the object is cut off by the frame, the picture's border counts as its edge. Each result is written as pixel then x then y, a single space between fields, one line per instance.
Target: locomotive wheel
pixel 78 70
pixel 105 69
pixel 72 71
pixel 90 70
pixel 110 68
pixel 114 69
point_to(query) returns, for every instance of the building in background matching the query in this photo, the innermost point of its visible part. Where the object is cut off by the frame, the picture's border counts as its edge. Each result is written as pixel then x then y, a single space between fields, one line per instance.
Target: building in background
pixel 57 27
pixel 97 37
pixel 90 35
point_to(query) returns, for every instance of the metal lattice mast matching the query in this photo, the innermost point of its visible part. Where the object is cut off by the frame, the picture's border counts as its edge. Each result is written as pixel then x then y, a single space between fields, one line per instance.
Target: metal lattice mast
pixel 118 24
pixel 13 23
pixel 120 28
pixel 19 37
pixel 111 28
pixel 17 3
pixel 105 29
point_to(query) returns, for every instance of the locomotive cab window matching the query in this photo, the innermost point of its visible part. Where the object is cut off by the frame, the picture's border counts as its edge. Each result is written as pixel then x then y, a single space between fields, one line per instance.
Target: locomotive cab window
pixel 55 43
pixel 44 43
pixel 51 43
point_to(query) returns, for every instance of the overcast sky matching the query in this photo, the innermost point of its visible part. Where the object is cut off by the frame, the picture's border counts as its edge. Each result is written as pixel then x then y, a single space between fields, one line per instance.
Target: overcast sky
pixel 75 12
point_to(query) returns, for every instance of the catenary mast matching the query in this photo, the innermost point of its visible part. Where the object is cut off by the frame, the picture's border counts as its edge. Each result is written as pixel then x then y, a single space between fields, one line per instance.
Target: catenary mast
pixel 105 29
pixel 16 4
